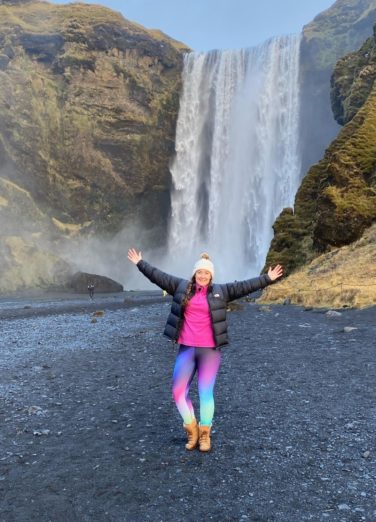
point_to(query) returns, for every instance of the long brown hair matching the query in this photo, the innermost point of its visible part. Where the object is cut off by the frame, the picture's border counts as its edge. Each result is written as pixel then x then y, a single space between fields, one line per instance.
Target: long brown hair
pixel 189 291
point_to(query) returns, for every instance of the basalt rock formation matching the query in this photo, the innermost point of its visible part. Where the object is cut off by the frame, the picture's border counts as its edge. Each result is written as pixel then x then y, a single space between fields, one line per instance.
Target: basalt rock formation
pixel 336 202
pixel 88 107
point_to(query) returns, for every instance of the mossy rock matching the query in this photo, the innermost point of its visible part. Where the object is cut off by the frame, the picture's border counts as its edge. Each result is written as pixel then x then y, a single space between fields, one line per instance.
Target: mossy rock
pixel 352 82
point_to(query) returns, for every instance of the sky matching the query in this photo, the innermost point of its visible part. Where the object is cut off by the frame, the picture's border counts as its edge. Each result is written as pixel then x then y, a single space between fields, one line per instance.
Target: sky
pixel 219 24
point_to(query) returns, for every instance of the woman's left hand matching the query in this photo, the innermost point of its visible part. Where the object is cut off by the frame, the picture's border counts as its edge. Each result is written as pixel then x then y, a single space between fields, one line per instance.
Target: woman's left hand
pixel 275 273
pixel 134 256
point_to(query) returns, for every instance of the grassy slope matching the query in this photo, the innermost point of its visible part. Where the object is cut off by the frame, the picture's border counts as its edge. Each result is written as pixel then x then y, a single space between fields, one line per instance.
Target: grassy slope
pixel 343 277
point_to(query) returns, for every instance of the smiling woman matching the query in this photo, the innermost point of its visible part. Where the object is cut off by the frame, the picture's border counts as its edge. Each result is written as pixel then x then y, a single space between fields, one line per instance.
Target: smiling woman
pixel 197 322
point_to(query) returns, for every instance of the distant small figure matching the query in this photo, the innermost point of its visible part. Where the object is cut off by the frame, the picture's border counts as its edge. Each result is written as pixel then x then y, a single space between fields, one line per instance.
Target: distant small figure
pixel 90 288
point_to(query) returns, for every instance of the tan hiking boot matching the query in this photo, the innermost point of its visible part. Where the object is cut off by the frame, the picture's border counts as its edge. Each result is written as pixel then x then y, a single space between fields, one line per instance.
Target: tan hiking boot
pixel 192 434
pixel 204 438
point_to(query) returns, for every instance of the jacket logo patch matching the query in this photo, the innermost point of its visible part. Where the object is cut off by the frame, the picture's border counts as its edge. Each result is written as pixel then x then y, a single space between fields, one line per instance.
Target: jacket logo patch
pixel 216 295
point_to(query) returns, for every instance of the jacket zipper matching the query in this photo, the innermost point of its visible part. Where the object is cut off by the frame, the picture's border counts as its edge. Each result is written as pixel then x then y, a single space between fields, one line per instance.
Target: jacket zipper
pixel 212 320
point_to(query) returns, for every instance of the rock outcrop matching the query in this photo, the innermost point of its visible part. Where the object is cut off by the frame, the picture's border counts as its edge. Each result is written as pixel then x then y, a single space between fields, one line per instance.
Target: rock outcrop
pixel 336 202
pixel 343 277
pixel 88 108
pixel 81 281
pixel 333 33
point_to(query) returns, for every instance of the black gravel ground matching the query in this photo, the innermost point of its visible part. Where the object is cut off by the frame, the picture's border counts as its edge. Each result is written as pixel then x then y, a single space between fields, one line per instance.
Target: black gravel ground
pixel 90 432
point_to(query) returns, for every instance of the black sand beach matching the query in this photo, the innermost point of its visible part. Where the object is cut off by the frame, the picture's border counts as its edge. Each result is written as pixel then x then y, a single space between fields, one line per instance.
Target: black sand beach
pixel 90 431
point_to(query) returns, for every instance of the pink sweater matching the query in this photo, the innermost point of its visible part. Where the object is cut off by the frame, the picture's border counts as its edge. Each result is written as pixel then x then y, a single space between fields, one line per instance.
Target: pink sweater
pixel 197 325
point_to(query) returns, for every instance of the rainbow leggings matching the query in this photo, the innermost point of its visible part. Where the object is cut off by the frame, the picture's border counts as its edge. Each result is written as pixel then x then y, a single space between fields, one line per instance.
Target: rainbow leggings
pixel 206 361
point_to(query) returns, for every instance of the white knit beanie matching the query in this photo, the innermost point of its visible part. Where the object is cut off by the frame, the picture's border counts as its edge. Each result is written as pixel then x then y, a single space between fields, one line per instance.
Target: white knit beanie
pixel 204 263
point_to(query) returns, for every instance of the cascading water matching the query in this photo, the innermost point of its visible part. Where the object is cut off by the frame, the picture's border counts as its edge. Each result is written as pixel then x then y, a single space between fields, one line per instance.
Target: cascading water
pixel 237 161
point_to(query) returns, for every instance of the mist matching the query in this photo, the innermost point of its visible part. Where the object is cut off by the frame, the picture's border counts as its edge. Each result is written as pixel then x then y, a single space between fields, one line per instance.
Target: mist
pixel 238 155
pixel 107 256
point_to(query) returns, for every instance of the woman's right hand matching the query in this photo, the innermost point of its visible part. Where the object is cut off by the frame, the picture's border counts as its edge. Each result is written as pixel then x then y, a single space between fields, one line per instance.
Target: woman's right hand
pixel 134 256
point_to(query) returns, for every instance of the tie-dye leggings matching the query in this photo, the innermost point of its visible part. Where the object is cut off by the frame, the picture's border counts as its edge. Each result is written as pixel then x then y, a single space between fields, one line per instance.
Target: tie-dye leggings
pixel 206 361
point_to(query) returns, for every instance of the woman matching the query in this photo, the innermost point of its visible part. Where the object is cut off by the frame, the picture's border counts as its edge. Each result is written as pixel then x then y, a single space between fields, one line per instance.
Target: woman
pixel 197 321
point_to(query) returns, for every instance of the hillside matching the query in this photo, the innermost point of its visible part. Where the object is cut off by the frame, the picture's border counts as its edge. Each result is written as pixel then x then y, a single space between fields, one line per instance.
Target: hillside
pixel 88 107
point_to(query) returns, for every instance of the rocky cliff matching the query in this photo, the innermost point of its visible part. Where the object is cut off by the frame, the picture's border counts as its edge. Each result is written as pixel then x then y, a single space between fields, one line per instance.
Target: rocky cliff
pixel 333 33
pixel 336 202
pixel 88 106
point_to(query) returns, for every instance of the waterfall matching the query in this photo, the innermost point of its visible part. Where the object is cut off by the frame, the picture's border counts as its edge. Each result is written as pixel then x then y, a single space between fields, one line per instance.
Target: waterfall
pixel 237 162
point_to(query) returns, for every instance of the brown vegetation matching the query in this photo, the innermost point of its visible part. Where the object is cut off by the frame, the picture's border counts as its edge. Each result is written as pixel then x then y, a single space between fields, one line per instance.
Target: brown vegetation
pixel 343 277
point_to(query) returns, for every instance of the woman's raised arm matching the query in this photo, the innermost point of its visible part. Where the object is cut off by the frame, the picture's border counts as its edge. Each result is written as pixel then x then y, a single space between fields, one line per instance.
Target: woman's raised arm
pixel 239 289
pixel 167 282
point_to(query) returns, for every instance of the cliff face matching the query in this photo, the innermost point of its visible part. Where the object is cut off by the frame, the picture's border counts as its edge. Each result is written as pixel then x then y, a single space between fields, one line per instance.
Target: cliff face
pixel 88 106
pixel 337 199
pixel 338 30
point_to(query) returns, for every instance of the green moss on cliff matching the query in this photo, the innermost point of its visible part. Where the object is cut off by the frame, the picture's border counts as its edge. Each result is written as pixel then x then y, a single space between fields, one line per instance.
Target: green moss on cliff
pixel 337 199
pixel 88 107
pixel 340 29
pixel 84 91
pixel 352 82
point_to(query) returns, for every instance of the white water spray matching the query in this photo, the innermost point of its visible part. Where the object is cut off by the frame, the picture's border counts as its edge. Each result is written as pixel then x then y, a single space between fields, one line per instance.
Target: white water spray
pixel 237 161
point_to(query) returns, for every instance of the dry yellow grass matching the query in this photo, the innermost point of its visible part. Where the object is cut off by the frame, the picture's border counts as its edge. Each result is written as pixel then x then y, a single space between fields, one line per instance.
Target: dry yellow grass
pixel 343 277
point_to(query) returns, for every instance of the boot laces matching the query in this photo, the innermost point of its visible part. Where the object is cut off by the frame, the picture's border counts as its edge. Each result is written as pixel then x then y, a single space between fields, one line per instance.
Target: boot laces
pixel 204 436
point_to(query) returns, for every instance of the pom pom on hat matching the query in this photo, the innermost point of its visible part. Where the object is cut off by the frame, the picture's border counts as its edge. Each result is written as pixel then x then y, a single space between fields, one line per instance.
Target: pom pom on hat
pixel 204 263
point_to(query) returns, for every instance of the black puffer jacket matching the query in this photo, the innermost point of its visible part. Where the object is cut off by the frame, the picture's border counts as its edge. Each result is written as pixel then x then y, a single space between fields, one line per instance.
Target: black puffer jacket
pixel 218 297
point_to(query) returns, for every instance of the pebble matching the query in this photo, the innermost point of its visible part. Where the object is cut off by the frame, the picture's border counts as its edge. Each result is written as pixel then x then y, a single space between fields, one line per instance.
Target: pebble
pixel 39 433
pixel 333 313
pixel 348 329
